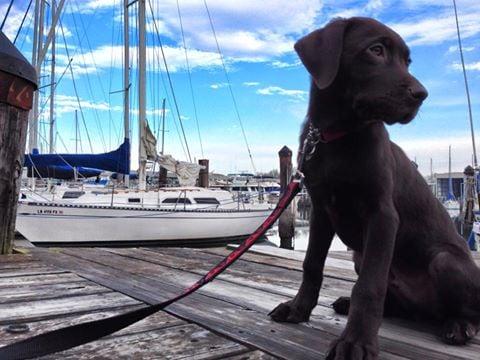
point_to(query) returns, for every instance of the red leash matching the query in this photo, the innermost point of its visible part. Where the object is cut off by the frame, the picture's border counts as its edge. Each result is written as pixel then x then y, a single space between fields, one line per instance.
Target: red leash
pixel 66 338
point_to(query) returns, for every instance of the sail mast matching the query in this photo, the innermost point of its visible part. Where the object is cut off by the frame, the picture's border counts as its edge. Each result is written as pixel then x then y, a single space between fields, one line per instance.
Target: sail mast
pixel 52 86
pixel 37 44
pixel 142 156
pixel 126 79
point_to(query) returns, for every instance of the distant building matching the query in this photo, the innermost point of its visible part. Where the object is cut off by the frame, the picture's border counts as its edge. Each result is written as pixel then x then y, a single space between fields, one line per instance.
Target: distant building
pixel 439 185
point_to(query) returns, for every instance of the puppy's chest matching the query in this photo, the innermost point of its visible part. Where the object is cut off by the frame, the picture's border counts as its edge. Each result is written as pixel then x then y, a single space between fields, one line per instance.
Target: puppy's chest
pixel 344 189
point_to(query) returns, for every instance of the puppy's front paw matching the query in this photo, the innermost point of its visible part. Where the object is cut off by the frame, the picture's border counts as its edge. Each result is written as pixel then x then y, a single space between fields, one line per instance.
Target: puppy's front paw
pixel 458 331
pixel 290 312
pixel 343 349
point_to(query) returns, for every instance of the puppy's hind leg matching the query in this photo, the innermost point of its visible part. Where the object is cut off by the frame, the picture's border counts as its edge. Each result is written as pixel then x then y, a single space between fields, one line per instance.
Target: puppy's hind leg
pixel 300 307
pixel 392 307
pixel 457 279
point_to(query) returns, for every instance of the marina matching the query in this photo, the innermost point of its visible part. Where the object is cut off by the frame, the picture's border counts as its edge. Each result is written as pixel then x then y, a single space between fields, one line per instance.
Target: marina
pixel 46 289
pixel 99 221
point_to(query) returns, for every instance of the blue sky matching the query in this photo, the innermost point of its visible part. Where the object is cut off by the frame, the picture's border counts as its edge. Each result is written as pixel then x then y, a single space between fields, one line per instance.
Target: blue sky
pixel 269 84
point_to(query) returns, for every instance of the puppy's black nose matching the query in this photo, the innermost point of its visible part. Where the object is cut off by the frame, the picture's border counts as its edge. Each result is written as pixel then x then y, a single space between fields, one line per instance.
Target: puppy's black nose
pixel 418 92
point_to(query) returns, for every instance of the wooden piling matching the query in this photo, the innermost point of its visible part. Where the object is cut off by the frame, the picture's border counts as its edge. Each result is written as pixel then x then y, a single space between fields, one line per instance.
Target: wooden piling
pixel 203 175
pixel 286 223
pixel 162 177
pixel 17 84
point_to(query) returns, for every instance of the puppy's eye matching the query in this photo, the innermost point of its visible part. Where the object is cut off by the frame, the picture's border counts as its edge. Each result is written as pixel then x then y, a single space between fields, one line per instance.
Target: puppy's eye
pixel 409 61
pixel 377 50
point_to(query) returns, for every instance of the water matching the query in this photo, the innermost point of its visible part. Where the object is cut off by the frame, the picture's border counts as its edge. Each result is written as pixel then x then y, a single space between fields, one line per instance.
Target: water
pixel 300 240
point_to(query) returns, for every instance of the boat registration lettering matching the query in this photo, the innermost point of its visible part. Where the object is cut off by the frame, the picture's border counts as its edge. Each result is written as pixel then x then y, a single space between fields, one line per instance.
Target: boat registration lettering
pixel 49 212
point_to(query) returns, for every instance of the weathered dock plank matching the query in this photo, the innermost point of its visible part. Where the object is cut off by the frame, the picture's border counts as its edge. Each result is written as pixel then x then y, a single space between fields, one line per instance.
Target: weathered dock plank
pixel 186 341
pixel 389 332
pixel 46 305
pixel 235 305
pixel 44 309
pixel 34 292
pixel 55 278
pixel 325 324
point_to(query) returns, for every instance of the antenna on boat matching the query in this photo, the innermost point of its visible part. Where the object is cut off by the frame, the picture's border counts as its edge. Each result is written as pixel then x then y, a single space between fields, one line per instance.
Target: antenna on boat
pixel 163 126
pixel 475 163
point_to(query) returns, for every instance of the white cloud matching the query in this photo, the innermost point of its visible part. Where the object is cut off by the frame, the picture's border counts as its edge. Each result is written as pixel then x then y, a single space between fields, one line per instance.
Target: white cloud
pixel 105 56
pixel 251 83
pixel 91 6
pixel 283 64
pixel 68 104
pixel 440 27
pixel 374 5
pixel 218 86
pixel 454 49
pixel 14 19
pixel 276 90
pixel 247 30
pixel 471 66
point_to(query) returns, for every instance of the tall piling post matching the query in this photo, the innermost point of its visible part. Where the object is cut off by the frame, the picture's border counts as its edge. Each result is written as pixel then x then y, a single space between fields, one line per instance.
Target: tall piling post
pixel 162 177
pixel 286 223
pixel 203 174
pixel 18 81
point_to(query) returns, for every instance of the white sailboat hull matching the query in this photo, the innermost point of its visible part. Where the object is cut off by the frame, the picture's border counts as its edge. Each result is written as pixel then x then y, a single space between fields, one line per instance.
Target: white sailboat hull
pixel 49 223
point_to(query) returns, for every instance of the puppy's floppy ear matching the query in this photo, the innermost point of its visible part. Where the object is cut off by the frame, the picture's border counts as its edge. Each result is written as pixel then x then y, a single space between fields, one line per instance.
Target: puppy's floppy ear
pixel 320 52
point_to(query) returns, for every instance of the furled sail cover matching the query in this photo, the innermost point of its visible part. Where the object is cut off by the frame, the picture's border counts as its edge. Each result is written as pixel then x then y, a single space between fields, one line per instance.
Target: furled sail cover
pixel 150 144
pixel 187 172
pixel 116 161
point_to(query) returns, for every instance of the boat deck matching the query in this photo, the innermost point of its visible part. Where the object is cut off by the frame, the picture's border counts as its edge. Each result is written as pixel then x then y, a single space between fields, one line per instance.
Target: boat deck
pixel 53 288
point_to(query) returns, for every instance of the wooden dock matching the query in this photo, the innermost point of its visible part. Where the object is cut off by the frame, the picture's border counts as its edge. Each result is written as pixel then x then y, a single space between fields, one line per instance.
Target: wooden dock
pixel 52 288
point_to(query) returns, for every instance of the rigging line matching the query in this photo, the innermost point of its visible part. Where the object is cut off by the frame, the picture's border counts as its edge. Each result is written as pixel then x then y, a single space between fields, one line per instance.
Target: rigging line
pixel 57 154
pixel 89 83
pixel 170 80
pixel 190 79
pixel 61 140
pixel 169 101
pixel 94 63
pixel 89 44
pixel 75 88
pixel 42 109
pixel 229 85
pixel 475 163
pixel 23 20
pixel 6 15
pixel 30 20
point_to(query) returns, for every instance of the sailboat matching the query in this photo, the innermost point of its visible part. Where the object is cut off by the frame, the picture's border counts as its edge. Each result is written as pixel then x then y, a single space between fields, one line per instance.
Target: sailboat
pixel 109 216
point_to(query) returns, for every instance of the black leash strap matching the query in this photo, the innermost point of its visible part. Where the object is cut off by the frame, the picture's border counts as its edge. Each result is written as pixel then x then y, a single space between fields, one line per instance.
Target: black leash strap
pixel 66 338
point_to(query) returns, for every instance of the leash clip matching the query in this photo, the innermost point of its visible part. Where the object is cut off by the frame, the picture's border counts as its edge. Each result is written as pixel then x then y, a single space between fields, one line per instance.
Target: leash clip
pixel 309 146
pixel 314 136
pixel 298 177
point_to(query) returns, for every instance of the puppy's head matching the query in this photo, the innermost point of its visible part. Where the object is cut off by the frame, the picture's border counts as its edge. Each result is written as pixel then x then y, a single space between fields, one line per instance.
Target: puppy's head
pixel 366 64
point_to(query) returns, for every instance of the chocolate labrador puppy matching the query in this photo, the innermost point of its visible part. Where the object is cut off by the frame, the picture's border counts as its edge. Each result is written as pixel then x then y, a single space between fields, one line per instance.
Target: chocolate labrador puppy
pixel 409 258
